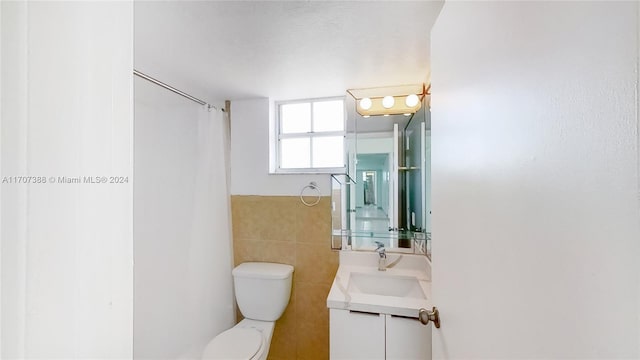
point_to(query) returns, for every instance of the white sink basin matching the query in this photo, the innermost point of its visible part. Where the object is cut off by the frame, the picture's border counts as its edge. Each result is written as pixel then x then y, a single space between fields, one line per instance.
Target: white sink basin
pixel 401 290
pixel 385 285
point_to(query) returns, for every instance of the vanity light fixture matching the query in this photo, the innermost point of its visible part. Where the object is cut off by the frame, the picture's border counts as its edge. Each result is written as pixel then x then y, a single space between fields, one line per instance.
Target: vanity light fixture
pixel 411 100
pixel 390 100
pixel 366 103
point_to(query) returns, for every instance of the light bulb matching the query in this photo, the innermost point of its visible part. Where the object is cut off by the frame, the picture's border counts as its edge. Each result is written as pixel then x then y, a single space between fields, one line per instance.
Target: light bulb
pixel 366 116
pixel 365 104
pixel 411 100
pixel 407 114
pixel 388 101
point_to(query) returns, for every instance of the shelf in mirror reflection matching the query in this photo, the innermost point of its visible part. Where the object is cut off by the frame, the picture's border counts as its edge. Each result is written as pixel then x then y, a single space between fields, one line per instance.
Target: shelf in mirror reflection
pixel 394 241
pixel 408 235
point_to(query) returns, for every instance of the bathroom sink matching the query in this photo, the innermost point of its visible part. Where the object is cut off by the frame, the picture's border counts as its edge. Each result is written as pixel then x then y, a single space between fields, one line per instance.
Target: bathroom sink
pixel 385 285
pixel 401 290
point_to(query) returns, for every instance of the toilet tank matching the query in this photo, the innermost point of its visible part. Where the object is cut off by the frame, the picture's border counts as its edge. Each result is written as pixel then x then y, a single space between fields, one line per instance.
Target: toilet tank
pixel 262 289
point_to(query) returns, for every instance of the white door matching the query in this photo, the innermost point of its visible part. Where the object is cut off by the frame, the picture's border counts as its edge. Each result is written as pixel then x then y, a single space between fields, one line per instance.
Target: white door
pixel 425 173
pixel 535 163
pixel 353 159
pixel 393 213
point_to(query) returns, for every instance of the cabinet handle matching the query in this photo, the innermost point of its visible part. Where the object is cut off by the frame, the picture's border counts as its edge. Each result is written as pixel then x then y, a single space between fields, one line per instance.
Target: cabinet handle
pixel 404 317
pixel 363 312
pixel 425 316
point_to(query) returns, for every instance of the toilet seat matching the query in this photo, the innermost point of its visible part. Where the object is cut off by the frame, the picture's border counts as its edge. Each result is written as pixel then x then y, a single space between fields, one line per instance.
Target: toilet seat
pixel 235 343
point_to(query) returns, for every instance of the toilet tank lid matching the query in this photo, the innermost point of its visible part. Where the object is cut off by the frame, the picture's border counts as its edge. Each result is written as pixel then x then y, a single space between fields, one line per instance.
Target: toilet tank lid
pixel 263 270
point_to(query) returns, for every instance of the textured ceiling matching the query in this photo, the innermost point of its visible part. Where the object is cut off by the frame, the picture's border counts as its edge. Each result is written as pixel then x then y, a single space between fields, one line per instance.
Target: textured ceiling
pixel 283 50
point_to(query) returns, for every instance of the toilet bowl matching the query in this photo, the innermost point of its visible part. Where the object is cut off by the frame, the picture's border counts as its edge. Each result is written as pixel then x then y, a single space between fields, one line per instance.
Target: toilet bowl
pixel 248 340
pixel 262 293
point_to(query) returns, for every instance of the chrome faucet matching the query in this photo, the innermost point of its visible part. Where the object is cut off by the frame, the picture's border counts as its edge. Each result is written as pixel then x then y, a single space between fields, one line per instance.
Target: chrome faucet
pixel 382 261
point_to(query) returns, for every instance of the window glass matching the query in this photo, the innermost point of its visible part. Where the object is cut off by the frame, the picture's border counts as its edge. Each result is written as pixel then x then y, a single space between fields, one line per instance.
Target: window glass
pixel 328 151
pixel 295 118
pixel 294 153
pixel 328 115
pixel 310 135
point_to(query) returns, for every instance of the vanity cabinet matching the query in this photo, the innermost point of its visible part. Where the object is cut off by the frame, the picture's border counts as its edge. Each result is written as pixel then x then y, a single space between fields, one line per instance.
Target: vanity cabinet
pixel 407 338
pixel 356 335
pixel 360 335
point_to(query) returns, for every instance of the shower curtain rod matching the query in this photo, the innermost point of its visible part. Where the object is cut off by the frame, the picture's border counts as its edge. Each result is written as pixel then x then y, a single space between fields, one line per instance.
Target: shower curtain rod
pixel 171 88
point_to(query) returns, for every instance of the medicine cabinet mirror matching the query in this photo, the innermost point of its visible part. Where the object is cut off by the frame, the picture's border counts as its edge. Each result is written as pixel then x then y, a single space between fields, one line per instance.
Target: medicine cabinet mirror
pixel 386 194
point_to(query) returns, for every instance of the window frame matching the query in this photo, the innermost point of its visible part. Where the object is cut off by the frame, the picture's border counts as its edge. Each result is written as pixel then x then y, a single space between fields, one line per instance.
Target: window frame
pixel 308 135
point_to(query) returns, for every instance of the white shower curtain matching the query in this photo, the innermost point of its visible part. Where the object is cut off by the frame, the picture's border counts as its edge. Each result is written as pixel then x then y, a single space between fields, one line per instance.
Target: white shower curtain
pixel 210 251
pixel 182 233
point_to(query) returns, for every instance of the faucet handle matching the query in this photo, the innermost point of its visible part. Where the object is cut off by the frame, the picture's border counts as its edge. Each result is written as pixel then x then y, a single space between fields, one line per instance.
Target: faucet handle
pixel 382 262
pixel 381 250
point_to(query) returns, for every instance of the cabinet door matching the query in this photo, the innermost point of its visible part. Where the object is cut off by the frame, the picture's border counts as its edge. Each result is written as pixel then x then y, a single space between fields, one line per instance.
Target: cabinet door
pixel 356 335
pixel 407 339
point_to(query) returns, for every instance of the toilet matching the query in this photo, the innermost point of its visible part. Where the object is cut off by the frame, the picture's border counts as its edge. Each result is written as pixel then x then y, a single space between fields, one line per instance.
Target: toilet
pixel 262 293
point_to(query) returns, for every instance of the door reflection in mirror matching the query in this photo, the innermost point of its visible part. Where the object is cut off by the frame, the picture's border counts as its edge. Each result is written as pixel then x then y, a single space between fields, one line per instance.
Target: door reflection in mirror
pixel 370 188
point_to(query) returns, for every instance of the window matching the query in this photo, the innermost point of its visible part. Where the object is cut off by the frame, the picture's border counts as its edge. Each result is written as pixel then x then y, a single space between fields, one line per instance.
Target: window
pixel 310 135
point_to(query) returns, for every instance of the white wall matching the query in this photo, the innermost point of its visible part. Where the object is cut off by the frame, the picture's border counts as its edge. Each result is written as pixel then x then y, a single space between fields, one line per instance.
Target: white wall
pixel 66 248
pixel 536 224
pixel 1 336
pixel 250 127
pixel 183 283
pixel 376 145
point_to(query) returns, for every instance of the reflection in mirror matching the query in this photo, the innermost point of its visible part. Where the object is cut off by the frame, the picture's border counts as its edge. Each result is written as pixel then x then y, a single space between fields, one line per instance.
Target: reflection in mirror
pixel 340 208
pixel 390 200
pixel 374 202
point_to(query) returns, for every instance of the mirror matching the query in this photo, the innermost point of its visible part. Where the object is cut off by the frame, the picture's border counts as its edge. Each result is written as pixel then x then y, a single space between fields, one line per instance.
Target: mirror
pixel 386 195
